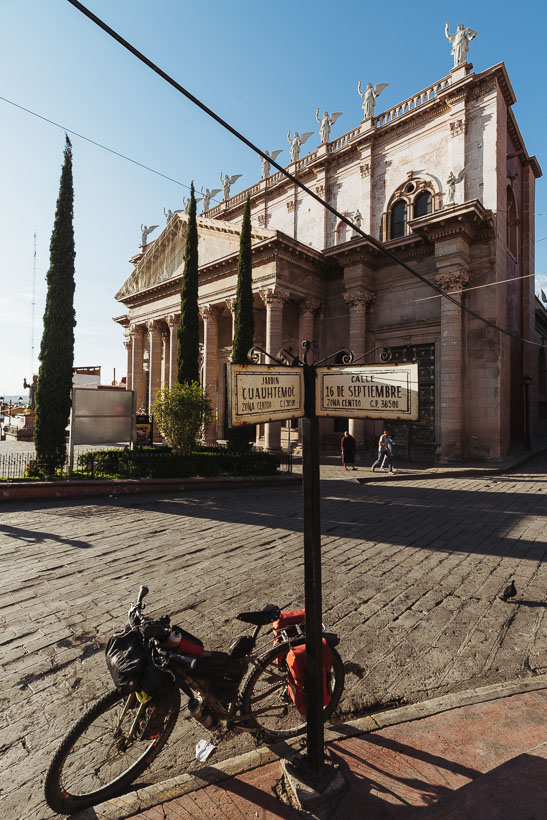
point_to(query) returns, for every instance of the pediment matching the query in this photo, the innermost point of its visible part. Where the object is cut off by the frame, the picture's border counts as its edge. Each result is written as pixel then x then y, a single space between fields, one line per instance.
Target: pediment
pixel 163 259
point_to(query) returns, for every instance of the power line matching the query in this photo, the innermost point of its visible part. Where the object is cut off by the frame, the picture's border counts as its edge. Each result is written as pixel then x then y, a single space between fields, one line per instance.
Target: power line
pixel 98 144
pixel 370 239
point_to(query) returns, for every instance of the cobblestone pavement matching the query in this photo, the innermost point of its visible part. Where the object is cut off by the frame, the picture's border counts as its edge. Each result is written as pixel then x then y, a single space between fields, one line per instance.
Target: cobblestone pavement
pixel 412 571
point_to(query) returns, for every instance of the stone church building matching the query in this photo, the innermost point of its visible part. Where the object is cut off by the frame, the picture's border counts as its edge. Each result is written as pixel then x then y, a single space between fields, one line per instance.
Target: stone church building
pixel 445 181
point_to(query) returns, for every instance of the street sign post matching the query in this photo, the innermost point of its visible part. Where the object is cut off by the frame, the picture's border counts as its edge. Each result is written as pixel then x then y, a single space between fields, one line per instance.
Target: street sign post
pixel 266 393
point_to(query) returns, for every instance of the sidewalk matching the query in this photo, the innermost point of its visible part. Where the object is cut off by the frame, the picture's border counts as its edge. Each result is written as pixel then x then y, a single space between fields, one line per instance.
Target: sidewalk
pixel 475 754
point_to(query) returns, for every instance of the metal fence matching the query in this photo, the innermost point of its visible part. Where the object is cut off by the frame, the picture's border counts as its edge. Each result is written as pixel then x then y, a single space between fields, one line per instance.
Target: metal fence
pixel 14 466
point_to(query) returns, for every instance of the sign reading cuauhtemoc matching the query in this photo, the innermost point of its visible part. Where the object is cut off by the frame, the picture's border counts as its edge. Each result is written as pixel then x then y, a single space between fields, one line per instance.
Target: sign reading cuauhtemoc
pixel 368 391
pixel 261 393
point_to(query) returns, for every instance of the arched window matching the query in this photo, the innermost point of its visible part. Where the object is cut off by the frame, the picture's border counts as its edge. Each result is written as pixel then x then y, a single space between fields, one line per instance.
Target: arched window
pixel 422 204
pixel 512 222
pixel 398 219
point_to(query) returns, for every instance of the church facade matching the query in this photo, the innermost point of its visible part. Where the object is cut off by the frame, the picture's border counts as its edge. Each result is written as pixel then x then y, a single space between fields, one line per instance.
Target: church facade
pixel 444 180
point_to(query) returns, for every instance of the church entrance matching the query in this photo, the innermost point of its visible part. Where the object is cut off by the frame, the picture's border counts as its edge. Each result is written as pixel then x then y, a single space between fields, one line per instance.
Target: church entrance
pixel 415 440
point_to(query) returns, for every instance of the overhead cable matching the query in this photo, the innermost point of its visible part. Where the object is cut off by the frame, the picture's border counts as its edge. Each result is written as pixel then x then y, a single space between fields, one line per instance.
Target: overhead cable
pixel 370 239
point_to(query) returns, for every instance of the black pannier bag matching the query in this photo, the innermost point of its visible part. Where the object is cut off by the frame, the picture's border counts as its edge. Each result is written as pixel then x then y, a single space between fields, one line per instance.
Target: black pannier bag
pixel 220 673
pixel 126 659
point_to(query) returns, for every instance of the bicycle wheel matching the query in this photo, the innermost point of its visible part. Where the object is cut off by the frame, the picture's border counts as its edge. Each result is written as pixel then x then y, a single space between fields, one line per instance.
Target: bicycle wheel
pixel 98 758
pixel 266 696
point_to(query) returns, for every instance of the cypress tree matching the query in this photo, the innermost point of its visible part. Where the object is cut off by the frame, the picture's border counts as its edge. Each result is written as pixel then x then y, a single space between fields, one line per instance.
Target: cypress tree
pixel 239 437
pixel 243 313
pixel 188 333
pixel 53 397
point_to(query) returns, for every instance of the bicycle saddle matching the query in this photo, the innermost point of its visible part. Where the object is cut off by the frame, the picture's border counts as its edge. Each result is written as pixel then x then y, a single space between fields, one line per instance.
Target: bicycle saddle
pixel 270 613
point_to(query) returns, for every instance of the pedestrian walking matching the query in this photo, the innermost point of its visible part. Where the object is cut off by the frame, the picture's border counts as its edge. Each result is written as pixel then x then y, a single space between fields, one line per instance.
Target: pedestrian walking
pixel 347 446
pixel 385 450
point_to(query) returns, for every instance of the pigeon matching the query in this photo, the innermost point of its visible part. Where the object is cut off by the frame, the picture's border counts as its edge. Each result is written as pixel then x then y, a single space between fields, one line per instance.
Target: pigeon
pixel 509 592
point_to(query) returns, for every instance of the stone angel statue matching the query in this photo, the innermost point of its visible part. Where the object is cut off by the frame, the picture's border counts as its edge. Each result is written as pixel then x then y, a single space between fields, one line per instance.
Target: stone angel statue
pixel 146 230
pixel 227 183
pixel 369 97
pixel 451 183
pixel 207 196
pixel 186 202
pixel 266 165
pixel 325 124
pixel 296 142
pixel 168 214
pixel 460 42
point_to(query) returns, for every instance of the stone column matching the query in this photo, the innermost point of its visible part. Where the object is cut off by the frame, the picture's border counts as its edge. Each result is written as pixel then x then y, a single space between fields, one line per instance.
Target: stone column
pixel 307 308
pixel 128 344
pixel 209 314
pixel 357 300
pixel 154 361
pixel 173 321
pixel 451 367
pixel 165 358
pixel 273 298
pixel 136 333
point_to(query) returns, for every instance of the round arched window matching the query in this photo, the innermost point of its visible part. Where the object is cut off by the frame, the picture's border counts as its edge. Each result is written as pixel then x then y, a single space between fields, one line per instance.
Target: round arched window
pixel 398 219
pixel 422 204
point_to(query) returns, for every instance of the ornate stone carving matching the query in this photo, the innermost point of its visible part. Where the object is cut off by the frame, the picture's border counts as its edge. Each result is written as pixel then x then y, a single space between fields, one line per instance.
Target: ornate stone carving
pixel 262 220
pixel 359 297
pixel 452 281
pixel 309 305
pixel 154 325
pixel 460 42
pixel 231 304
pixel 173 319
pixel 365 170
pixel 208 312
pixel 320 190
pixel 290 205
pixel 457 127
pixel 274 296
pixel 136 330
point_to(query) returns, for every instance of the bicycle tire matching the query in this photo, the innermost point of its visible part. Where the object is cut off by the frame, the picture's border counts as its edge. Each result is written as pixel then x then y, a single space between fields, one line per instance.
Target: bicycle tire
pixel 278 723
pixel 69 763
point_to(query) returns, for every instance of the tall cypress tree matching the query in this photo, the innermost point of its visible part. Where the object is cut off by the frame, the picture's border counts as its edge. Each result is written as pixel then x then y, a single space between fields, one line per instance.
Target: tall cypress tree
pixel 239 437
pixel 243 314
pixel 57 347
pixel 188 333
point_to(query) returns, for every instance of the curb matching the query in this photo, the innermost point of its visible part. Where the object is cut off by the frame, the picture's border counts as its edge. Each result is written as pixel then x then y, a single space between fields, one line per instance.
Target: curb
pixel 128 805
pixel 134 486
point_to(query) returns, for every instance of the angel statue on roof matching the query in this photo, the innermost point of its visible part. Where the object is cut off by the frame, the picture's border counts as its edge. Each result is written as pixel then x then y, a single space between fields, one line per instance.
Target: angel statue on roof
pixel 369 97
pixel 207 196
pixel 227 183
pixel 296 142
pixel 265 163
pixel 325 124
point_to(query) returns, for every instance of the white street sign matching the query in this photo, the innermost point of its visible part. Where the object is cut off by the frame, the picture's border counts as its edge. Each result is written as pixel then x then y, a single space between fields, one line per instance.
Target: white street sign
pixel 262 393
pixel 368 391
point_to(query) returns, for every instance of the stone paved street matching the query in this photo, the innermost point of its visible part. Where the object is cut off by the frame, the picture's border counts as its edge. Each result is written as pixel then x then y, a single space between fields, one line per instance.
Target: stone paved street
pixel 412 571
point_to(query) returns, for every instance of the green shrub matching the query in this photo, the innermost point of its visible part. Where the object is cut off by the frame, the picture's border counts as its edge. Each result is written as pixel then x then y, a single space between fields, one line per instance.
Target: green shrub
pixel 180 412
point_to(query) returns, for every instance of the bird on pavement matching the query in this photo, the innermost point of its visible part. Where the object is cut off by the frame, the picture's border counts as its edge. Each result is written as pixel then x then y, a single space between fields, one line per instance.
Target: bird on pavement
pixel 509 592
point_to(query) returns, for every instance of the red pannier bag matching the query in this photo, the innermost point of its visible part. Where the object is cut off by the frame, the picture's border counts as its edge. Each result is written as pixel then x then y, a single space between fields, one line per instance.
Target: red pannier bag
pixel 287 622
pixel 296 664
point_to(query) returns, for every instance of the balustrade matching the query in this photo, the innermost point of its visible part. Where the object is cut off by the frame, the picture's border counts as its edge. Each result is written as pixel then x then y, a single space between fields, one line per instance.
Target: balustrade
pixel 412 103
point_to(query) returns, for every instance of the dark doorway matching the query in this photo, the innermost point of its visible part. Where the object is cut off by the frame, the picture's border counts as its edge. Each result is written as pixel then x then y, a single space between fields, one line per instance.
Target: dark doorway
pixel 415 440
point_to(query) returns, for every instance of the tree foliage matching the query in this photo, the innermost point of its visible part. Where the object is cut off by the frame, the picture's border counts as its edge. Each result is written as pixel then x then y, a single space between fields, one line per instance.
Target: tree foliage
pixel 57 347
pixel 188 333
pixel 239 437
pixel 180 412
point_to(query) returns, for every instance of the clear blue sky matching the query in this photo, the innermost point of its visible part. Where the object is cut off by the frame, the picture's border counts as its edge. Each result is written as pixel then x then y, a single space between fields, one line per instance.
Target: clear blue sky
pixel 264 66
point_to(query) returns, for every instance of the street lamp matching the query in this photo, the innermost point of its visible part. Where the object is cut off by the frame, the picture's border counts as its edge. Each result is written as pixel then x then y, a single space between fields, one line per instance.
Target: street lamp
pixel 527 381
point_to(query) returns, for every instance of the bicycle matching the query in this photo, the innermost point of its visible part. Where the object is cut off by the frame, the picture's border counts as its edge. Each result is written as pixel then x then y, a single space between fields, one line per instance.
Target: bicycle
pixel 124 731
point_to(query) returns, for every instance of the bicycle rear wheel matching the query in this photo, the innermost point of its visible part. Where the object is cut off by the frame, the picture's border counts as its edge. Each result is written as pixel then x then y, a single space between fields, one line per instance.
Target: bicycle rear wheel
pixel 266 696
pixel 99 757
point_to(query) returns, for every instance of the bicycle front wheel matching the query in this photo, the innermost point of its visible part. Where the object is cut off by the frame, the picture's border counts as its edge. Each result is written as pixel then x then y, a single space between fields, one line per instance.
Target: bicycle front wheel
pixel 266 696
pixel 101 756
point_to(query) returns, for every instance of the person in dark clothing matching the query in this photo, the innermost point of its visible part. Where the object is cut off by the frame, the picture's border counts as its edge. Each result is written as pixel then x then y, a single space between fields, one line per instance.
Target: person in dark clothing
pixel 347 446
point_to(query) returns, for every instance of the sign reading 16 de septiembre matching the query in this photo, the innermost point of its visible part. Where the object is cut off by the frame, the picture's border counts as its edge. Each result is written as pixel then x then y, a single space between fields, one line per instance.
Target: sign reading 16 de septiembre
pixel 368 391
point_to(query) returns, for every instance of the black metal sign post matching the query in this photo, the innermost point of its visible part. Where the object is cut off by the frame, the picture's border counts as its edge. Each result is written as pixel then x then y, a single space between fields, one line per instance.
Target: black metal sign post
pixel 312 576
pixel 249 397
